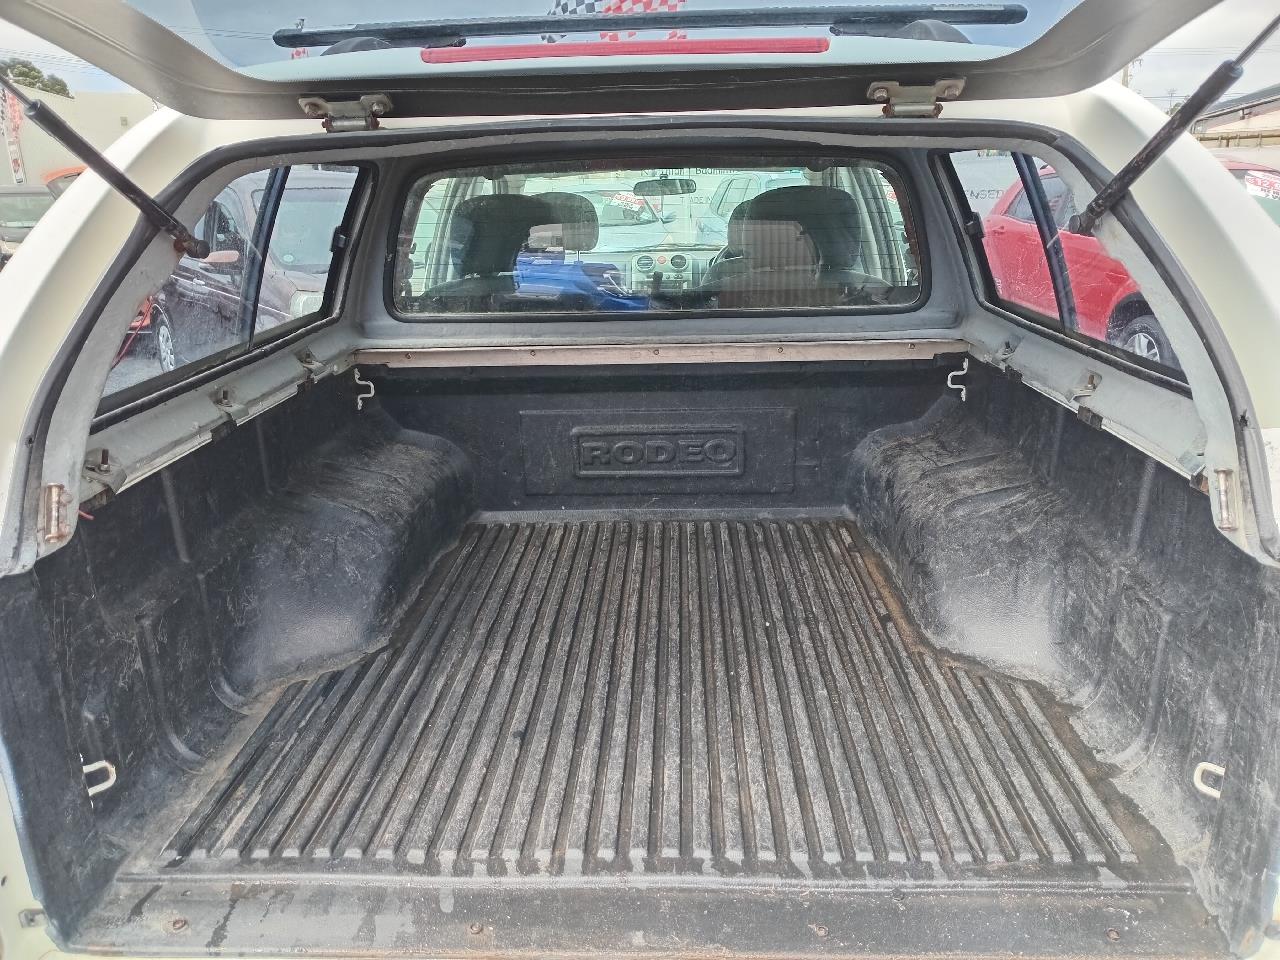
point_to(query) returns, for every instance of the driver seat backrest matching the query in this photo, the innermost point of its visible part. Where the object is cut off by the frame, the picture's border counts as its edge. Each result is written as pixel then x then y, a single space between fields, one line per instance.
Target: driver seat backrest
pixel 827 214
pixel 729 262
pixel 486 235
pixel 786 236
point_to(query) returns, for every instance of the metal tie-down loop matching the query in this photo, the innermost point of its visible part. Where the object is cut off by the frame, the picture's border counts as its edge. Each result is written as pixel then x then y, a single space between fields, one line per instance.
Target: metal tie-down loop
pixel 1203 786
pixel 952 383
pixel 362 397
pixel 99 765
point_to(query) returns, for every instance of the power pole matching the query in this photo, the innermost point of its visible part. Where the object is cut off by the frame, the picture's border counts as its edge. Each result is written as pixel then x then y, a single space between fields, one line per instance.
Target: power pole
pixel 1126 75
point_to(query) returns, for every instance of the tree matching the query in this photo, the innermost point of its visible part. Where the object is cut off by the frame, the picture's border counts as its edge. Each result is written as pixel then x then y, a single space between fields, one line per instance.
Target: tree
pixel 27 74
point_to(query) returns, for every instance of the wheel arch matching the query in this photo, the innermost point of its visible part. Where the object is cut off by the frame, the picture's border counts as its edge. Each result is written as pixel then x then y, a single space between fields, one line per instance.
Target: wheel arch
pixel 1130 307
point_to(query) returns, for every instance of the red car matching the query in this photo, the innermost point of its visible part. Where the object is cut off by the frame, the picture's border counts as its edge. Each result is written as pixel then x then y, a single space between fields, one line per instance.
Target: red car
pixel 1109 304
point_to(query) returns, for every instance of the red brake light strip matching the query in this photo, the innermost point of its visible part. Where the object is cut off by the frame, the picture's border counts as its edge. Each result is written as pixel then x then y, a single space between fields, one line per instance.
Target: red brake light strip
pixel 626 48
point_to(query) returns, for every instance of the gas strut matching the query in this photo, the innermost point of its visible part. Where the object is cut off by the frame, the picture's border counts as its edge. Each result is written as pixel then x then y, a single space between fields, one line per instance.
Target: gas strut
pixel 1217 83
pixel 52 124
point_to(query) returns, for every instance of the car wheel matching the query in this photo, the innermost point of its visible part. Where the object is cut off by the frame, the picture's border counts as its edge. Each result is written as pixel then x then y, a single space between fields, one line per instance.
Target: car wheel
pixel 1143 337
pixel 166 350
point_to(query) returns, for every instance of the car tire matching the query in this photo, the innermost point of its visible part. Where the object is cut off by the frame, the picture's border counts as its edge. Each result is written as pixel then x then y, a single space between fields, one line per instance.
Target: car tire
pixel 164 344
pixel 1143 336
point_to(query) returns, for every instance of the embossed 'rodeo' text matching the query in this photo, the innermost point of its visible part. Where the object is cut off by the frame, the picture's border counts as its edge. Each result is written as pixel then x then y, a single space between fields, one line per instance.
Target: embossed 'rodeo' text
pixel 652 452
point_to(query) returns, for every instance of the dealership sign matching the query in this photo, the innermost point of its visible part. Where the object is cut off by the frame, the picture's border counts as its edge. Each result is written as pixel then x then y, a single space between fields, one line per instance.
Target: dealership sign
pixel 10 121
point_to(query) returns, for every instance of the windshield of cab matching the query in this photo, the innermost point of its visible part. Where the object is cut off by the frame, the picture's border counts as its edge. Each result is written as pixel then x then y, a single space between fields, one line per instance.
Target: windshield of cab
pixel 763 234
pixel 620 207
pixel 21 211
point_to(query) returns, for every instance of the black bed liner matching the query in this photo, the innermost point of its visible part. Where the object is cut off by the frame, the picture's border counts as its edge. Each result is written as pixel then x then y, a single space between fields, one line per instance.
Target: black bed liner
pixel 598 724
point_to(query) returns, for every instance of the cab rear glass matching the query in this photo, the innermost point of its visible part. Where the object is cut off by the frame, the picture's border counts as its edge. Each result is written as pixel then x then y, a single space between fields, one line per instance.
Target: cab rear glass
pixel 587 239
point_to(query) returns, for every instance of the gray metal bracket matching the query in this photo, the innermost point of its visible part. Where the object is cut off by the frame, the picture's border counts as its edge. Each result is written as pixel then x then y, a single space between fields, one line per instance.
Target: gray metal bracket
pixel 914 101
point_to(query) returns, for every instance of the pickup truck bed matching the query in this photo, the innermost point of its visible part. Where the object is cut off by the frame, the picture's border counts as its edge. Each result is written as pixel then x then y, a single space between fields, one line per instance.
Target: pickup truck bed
pixel 704 697
pixel 730 702
pixel 434 678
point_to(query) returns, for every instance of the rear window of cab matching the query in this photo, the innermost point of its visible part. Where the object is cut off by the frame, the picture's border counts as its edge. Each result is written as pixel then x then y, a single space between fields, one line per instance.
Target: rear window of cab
pixel 595 239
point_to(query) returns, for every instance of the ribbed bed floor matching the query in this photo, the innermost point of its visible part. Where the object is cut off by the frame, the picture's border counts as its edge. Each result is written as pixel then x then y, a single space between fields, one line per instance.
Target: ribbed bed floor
pixel 731 697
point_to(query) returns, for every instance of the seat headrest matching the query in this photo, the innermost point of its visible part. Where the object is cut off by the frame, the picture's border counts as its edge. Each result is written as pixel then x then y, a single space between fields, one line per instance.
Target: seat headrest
pixel 487 233
pixel 777 245
pixel 827 215
pixel 734 239
pixel 578 225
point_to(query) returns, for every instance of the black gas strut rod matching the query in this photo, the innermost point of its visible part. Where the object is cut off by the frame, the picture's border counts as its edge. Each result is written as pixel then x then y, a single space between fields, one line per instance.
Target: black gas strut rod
pixel 1208 93
pixel 52 124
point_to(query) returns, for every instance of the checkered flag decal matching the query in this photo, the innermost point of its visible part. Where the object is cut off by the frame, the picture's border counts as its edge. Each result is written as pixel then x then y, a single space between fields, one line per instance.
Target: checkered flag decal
pixel 583 8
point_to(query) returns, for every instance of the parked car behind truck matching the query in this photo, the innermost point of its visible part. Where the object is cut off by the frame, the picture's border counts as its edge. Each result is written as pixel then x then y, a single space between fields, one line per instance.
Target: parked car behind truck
pixel 199 310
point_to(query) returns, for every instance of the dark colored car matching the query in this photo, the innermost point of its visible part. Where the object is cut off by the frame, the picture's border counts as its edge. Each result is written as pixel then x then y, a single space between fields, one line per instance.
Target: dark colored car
pixel 199 310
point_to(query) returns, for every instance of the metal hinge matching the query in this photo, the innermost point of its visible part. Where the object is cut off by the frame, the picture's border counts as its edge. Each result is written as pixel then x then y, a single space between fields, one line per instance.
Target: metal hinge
pixel 922 101
pixel 53 524
pixel 342 116
pixel 1226 499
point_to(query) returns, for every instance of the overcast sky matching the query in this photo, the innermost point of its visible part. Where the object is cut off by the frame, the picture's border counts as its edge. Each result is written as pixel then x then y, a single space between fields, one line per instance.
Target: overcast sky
pixel 1169 71
pixel 1177 66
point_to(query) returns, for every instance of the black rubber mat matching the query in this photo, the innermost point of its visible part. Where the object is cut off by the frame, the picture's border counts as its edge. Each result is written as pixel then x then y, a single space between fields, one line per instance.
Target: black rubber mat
pixel 735 697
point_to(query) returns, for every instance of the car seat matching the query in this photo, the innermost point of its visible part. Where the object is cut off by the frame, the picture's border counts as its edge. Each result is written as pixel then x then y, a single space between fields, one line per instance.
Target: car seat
pixel 486 235
pixel 827 219
pixel 574 225
pixel 780 263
